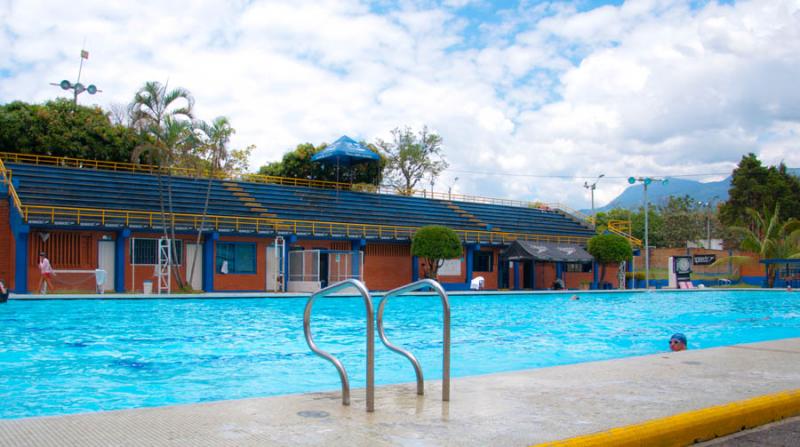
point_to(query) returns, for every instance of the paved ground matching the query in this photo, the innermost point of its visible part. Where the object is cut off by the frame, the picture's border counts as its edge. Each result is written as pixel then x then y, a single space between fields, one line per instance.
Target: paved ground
pixel 512 409
pixel 779 434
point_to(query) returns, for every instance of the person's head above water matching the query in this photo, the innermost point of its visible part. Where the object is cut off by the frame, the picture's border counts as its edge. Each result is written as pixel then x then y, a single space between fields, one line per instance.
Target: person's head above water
pixel 677 342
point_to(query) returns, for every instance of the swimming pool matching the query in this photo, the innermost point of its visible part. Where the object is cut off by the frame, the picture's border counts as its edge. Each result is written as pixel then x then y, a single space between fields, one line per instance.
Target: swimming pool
pixel 59 357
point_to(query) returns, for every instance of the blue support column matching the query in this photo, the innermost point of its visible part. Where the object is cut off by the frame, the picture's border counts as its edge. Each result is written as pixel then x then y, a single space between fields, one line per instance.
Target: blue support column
pixel 288 241
pixel 123 236
pixel 594 275
pixel 414 269
pixel 20 230
pixel 209 267
pixel 533 275
pixel 356 246
pixel 21 262
pixel 516 275
pixel 560 270
pixel 470 258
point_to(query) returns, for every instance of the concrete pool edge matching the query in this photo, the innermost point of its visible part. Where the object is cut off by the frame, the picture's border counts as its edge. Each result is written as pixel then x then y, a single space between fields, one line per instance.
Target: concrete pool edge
pixel 695 426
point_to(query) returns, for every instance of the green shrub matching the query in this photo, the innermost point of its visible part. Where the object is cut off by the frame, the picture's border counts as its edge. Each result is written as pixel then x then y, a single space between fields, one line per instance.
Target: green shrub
pixel 434 244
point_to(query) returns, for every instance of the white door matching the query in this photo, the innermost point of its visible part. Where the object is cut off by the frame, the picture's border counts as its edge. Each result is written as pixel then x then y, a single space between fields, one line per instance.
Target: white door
pixel 197 276
pixel 272 269
pixel 105 261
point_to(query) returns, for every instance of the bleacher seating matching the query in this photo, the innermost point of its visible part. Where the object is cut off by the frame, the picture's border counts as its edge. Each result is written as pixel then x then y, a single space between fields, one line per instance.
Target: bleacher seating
pixel 113 190
pixel 524 220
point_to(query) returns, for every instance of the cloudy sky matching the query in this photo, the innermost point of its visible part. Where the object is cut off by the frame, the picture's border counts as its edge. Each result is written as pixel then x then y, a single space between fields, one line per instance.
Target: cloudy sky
pixel 531 97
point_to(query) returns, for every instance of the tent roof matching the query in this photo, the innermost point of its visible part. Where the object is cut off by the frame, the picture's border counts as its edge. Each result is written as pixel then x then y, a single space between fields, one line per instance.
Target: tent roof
pixel 345 151
pixel 546 251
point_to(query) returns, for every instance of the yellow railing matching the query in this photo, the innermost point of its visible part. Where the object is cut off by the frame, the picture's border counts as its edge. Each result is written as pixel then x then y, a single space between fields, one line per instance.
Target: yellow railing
pixel 291 181
pixel 7 177
pixel 624 229
pixel 152 219
pixel 257 178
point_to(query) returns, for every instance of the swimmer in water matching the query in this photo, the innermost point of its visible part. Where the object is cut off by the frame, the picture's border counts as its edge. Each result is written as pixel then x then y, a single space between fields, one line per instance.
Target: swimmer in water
pixel 575 298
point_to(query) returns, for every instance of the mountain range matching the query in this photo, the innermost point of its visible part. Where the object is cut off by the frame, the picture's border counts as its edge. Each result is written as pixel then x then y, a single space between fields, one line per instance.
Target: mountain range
pixel 658 193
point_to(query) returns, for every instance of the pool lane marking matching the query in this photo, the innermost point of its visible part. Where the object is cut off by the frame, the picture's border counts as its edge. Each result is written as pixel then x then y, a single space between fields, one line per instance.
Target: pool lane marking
pixel 695 426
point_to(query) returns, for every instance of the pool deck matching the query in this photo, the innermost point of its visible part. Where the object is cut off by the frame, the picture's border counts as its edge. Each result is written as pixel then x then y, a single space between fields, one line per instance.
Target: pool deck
pixel 508 409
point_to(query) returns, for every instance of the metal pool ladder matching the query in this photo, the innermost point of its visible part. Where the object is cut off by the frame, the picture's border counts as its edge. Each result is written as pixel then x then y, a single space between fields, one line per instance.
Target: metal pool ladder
pixel 362 289
pixel 422 284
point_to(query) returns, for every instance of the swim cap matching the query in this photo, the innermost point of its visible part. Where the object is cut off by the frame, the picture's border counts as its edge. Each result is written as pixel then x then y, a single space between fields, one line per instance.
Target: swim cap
pixel 678 336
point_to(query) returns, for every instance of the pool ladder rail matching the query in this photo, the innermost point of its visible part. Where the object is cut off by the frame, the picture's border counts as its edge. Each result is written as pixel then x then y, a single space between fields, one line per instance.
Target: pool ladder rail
pixel 362 289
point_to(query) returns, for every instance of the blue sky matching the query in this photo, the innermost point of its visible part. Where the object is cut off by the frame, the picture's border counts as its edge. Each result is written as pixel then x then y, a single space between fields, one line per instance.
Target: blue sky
pixel 530 97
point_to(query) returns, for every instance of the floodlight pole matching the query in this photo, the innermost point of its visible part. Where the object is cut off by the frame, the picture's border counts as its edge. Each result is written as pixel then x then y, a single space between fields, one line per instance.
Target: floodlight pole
pixel 645 181
pixel 592 187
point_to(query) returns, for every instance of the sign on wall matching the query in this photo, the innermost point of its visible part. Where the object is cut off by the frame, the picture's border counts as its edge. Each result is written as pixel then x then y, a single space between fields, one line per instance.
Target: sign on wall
pixel 451 267
pixel 704 259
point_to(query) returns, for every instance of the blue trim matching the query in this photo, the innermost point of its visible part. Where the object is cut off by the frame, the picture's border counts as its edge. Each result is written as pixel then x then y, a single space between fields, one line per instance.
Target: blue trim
pixel 779 261
pixel 208 261
pixel 594 275
pixel 119 259
pixel 414 269
pixel 516 275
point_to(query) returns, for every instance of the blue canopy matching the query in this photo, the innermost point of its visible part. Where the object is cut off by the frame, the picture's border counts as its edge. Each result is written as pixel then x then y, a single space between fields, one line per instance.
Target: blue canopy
pixel 345 152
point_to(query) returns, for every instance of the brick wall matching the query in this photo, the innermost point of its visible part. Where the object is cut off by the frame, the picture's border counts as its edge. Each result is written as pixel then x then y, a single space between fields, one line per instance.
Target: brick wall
pixel 387 266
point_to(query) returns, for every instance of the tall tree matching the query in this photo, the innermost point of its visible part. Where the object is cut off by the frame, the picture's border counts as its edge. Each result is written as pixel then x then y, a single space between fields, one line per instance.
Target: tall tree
pixel 164 117
pixel 214 138
pixel 297 164
pixel 412 158
pixel 682 221
pixel 760 188
pixel 62 129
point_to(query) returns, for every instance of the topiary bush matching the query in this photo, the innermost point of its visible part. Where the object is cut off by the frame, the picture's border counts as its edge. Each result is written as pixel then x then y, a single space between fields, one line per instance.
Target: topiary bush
pixel 609 249
pixel 434 244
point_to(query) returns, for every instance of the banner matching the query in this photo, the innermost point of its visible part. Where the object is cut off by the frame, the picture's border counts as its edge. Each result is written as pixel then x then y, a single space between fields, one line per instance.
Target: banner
pixel 704 259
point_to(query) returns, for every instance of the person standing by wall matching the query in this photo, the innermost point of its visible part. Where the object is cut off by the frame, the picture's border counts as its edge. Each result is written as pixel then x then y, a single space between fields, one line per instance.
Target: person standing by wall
pixel 45 274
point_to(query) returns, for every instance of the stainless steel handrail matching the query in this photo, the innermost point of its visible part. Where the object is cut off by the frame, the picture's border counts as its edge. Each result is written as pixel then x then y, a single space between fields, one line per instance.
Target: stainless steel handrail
pixel 424 283
pixel 362 289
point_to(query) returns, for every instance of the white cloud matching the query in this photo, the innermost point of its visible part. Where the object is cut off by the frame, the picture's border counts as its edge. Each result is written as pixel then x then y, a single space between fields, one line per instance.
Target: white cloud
pixel 649 87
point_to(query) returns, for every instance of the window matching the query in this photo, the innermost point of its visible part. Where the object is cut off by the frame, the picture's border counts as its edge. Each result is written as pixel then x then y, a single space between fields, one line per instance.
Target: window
pixel 578 267
pixel 241 257
pixel 145 251
pixel 483 261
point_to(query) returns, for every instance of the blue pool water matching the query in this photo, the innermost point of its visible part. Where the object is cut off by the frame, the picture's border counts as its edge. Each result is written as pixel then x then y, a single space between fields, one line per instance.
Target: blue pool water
pixel 59 357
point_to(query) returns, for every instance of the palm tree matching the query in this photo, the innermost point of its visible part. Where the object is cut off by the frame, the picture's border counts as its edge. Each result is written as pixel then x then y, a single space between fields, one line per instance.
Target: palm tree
pixel 164 116
pixel 215 138
pixel 768 236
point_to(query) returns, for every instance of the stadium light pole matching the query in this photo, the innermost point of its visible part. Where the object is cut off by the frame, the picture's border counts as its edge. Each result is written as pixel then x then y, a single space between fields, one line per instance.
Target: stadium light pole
pixel 78 88
pixel 646 181
pixel 592 187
